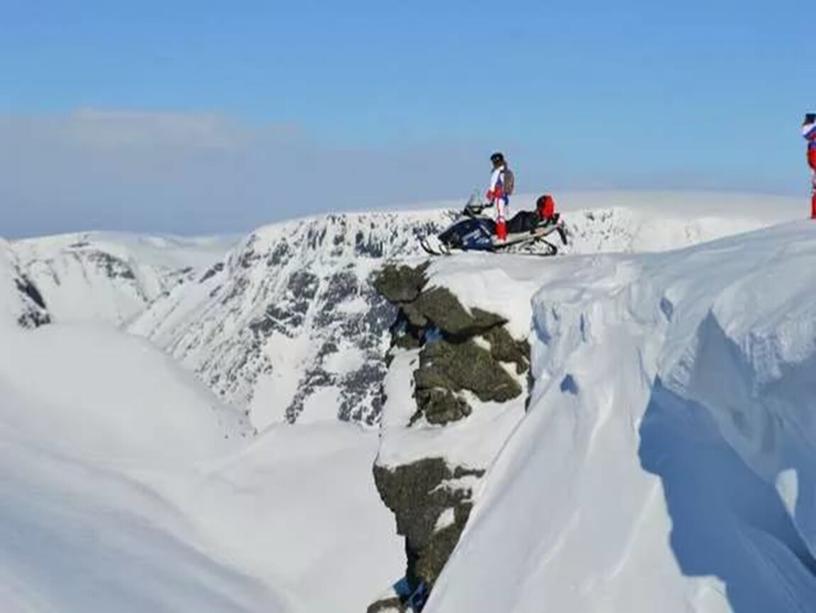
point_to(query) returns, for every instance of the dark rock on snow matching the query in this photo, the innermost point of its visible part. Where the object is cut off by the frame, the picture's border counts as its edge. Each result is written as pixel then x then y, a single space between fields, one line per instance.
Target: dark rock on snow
pixel 462 351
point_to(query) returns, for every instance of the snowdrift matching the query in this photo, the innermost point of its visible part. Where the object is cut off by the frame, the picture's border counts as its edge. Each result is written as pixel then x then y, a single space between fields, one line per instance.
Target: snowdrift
pixel 128 486
pixel 94 391
pixel 666 460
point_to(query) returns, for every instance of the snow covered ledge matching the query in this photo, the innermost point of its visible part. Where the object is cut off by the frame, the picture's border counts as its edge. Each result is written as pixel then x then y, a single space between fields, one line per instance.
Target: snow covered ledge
pixel 666 461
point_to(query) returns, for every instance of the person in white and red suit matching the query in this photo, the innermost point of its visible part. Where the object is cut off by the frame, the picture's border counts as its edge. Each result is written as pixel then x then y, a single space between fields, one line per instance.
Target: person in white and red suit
pixel 809 132
pixel 498 193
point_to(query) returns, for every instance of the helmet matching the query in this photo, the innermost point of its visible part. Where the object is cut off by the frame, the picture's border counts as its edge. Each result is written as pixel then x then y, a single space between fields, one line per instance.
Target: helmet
pixel 545 205
pixel 497 158
pixel 809 118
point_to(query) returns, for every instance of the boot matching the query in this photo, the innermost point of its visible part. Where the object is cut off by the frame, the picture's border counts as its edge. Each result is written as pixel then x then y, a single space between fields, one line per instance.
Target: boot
pixel 501 230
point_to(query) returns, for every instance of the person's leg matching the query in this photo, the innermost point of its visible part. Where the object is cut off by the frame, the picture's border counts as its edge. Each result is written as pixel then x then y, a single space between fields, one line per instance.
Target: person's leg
pixel 813 194
pixel 501 218
pixel 812 164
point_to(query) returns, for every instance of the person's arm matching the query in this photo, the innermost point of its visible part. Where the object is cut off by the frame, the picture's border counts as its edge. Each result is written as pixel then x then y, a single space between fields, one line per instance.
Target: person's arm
pixel 494 192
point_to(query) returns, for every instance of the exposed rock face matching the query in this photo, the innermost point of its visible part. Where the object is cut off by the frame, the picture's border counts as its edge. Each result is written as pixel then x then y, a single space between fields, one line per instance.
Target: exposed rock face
pixel 464 365
pixel 34 313
pixel 401 284
pixel 466 361
pixel 20 300
pixel 419 494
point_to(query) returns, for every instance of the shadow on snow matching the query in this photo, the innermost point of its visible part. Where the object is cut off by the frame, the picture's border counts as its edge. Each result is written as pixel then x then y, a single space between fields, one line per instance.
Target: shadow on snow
pixel 726 521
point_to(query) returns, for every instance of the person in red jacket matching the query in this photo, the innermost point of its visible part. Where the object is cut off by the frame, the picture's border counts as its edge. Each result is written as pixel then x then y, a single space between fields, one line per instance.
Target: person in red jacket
pixel 809 132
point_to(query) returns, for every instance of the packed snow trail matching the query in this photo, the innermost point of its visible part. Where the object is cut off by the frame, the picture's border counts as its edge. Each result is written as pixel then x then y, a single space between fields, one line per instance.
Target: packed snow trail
pixel 666 461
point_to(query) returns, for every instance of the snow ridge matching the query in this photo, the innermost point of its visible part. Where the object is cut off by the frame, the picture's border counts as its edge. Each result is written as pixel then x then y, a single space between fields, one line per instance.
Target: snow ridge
pixel 665 462
pixel 111 277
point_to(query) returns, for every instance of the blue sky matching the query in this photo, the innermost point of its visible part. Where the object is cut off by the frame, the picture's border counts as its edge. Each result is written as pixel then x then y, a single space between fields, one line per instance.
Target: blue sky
pixel 296 97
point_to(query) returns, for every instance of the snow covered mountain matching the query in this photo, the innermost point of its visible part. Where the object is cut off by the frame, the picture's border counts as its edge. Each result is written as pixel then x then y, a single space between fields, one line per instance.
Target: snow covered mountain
pixel 112 277
pixel 128 486
pixel 664 458
pixel 288 326
pixel 623 428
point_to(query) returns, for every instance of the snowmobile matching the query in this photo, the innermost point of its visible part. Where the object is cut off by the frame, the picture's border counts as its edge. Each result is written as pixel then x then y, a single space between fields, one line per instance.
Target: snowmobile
pixel 474 231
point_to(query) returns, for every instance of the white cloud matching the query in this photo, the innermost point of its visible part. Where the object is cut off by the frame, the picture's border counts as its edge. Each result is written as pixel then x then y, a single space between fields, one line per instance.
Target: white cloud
pixel 209 173
pixel 199 172
pixel 114 129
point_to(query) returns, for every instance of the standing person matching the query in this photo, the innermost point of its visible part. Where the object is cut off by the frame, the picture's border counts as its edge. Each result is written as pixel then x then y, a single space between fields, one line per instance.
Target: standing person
pixel 809 132
pixel 502 182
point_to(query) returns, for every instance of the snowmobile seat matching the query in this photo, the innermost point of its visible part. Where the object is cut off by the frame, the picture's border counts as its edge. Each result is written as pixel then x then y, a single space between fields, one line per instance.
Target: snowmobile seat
pixel 528 221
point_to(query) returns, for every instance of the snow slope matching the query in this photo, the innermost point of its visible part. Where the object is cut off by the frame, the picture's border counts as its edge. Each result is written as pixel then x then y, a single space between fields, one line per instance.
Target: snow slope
pixel 664 463
pixel 68 376
pixel 109 276
pixel 666 460
pixel 128 486
pixel 638 221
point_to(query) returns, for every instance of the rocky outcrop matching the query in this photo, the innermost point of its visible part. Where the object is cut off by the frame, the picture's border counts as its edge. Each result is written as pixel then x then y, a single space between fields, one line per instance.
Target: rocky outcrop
pixel 421 494
pixel 465 361
pixel 20 300
pixel 34 313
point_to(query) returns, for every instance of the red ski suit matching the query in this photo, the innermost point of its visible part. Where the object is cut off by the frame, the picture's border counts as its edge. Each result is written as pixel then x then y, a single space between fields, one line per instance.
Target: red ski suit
pixel 496 195
pixel 809 132
pixel 812 163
